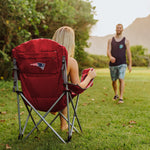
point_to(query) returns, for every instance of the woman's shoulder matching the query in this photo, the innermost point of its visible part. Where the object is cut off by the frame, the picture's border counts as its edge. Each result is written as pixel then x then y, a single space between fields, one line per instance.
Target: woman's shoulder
pixel 72 60
pixel 72 65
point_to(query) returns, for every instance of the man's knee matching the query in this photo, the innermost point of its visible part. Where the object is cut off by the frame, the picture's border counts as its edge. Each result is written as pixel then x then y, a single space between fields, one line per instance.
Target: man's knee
pixel 114 82
pixel 121 80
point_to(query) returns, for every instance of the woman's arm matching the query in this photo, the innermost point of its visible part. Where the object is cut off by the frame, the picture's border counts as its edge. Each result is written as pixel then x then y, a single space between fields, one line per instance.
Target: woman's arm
pixel 74 73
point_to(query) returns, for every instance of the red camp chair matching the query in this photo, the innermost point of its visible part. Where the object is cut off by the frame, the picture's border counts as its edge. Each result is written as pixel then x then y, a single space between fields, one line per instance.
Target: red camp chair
pixel 41 66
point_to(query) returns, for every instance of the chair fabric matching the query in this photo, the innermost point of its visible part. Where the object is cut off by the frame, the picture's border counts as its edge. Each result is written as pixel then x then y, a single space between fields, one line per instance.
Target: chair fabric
pixel 40 65
pixel 39 62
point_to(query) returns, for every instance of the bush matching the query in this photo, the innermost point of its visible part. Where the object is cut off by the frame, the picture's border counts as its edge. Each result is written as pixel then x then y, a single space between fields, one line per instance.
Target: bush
pixel 139 58
pixel 139 61
pixel 96 61
pixel 100 61
pixel 23 20
pixel 6 66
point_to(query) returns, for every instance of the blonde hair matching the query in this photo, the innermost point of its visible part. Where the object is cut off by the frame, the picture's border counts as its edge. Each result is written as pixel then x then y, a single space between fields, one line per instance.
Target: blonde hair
pixel 65 36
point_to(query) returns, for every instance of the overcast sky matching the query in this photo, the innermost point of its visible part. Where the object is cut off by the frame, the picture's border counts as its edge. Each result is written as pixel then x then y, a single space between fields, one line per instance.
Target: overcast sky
pixel 111 12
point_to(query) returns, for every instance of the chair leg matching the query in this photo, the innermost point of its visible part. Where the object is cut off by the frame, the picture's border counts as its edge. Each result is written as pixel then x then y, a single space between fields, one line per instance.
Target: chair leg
pixel 30 115
pixel 20 136
pixel 20 130
pixel 68 115
pixel 52 121
pixel 43 117
pixel 74 109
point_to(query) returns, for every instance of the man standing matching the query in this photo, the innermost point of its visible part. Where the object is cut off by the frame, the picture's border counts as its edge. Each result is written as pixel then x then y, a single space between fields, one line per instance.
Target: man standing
pixel 116 51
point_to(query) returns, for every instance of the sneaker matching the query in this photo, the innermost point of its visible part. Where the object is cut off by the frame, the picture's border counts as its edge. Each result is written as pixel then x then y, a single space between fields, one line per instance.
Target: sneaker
pixel 115 97
pixel 120 101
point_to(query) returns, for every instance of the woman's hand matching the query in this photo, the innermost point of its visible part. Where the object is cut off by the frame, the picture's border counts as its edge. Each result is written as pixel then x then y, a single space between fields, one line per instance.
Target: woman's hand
pixel 92 73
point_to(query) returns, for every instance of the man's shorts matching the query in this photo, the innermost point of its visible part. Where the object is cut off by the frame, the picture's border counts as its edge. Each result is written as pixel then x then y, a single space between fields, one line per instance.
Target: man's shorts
pixel 117 72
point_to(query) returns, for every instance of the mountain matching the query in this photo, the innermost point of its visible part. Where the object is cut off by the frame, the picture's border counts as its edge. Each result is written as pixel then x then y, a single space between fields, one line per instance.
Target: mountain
pixel 138 33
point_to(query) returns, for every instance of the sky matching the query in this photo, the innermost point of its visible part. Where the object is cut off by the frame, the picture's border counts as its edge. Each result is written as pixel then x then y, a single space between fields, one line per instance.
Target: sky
pixel 111 12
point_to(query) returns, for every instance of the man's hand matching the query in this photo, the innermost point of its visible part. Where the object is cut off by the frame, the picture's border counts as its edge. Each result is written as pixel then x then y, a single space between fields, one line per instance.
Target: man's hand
pixel 130 68
pixel 112 59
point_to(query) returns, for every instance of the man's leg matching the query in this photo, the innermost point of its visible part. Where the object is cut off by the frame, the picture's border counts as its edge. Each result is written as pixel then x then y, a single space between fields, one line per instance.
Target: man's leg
pixel 122 70
pixel 114 76
pixel 121 88
pixel 114 85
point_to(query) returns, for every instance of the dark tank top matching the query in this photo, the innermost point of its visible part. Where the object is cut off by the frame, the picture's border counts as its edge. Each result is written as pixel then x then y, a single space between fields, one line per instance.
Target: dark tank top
pixel 118 50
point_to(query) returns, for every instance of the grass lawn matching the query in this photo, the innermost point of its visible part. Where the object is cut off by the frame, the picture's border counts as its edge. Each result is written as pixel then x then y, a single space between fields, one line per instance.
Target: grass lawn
pixel 106 124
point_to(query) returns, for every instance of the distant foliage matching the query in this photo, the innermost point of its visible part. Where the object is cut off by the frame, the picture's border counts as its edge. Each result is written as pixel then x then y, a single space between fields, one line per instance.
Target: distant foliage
pixel 5 66
pixel 17 18
pixel 139 56
pixel 23 20
pixel 96 61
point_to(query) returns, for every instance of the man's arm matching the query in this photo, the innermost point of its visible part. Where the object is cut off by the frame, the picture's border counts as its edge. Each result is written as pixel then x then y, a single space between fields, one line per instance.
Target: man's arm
pixel 129 55
pixel 112 59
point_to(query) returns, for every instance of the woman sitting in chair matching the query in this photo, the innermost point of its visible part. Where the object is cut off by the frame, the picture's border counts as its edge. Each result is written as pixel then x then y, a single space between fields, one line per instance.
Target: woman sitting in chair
pixel 65 36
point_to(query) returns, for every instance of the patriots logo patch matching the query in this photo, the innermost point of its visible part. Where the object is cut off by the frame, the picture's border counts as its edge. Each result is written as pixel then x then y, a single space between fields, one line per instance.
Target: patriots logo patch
pixel 39 64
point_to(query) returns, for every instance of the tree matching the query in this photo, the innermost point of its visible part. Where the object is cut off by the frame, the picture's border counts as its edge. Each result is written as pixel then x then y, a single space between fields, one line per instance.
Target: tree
pixel 77 14
pixel 139 57
pixel 22 20
pixel 17 16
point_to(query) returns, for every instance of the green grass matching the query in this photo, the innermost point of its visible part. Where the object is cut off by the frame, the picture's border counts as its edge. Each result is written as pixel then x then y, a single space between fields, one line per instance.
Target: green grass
pixel 106 124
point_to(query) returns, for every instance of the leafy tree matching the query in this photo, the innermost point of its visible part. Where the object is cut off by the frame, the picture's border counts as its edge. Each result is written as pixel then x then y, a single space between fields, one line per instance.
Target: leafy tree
pixel 17 16
pixel 77 14
pixel 139 57
pixel 138 50
pixel 84 19
pixel 22 20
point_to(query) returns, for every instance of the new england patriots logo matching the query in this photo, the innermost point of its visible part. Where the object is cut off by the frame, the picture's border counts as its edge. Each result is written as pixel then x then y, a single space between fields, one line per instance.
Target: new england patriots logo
pixel 39 64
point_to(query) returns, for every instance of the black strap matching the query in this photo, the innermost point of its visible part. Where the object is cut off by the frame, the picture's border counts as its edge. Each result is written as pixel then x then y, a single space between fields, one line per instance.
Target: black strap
pixel 15 69
pixel 64 70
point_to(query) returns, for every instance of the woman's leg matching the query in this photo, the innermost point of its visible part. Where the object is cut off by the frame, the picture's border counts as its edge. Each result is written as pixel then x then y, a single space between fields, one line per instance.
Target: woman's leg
pixel 63 122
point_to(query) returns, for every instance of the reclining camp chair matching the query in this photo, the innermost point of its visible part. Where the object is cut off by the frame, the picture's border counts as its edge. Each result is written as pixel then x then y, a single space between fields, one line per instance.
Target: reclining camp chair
pixel 41 66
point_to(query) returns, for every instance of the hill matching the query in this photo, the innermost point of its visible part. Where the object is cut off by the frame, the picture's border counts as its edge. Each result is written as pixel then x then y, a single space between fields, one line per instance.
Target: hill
pixel 138 33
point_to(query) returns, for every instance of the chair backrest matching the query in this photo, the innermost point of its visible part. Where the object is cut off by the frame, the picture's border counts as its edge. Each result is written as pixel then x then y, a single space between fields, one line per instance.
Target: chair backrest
pixel 39 62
